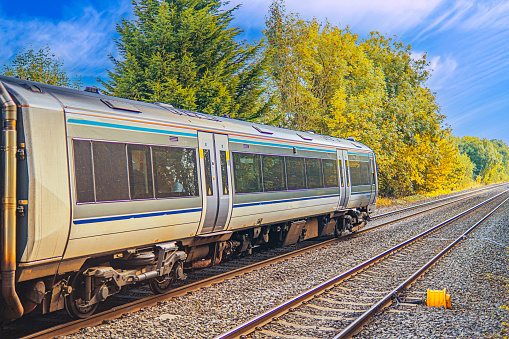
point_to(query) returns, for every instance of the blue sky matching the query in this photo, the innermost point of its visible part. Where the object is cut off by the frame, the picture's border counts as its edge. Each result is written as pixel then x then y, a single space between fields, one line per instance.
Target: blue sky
pixel 467 43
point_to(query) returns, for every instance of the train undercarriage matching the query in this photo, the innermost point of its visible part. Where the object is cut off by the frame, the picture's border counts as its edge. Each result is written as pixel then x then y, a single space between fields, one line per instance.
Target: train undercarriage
pixel 162 264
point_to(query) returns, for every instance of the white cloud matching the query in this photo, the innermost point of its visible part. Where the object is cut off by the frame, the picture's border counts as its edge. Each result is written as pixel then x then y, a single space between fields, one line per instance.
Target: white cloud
pixel 488 15
pixel 386 16
pixel 83 42
pixel 466 16
pixel 442 72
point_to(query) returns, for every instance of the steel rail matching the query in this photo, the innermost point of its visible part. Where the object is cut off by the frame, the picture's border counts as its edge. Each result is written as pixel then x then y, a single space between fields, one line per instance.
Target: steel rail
pixel 476 191
pixel 279 310
pixel 115 312
pixel 424 211
pixel 356 326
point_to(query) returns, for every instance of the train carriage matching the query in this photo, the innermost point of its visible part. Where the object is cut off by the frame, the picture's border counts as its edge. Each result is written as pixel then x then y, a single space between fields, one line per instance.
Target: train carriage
pixel 101 193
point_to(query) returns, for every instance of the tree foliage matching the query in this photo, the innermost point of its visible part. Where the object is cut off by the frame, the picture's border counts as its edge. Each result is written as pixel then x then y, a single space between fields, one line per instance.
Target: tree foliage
pixel 490 158
pixel 328 80
pixel 183 52
pixel 42 66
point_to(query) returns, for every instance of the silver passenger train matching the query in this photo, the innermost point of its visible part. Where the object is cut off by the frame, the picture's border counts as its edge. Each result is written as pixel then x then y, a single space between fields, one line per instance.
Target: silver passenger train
pixel 101 193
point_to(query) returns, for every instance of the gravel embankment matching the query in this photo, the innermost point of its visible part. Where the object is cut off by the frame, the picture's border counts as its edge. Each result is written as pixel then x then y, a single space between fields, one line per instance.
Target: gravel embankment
pixel 476 276
pixel 212 311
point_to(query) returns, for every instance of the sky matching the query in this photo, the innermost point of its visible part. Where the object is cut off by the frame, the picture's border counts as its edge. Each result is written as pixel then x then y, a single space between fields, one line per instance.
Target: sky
pixel 466 43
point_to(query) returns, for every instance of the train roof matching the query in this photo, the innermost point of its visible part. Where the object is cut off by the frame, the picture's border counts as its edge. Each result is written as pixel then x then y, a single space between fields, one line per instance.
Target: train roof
pixel 78 101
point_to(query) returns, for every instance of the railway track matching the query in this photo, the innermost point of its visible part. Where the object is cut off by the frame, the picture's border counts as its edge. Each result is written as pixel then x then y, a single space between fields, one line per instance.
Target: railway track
pixel 439 201
pixel 141 297
pixel 339 307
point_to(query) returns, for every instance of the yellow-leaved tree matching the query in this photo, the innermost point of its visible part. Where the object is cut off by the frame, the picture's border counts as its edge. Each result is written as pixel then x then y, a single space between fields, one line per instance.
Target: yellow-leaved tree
pixel 329 81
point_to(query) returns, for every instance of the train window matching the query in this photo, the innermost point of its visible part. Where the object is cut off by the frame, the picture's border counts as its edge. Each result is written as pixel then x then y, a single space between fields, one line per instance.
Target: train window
pixel 360 174
pixel 373 176
pixel 296 173
pixel 175 172
pixel 314 173
pixel 330 172
pixel 140 171
pixel 365 173
pixel 347 169
pixel 208 175
pixel 224 171
pixel 83 171
pixel 110 171
pixel 247 171
pixel 273 173
pixel 355 172
pixel 340 162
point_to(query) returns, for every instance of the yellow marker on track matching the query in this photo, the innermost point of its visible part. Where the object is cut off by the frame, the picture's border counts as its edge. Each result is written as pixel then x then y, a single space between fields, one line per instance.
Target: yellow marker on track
pixel 437 298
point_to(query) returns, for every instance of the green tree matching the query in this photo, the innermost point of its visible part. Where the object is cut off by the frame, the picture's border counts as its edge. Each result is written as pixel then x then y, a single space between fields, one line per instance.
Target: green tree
pixel 42 66
pixel 183 52
pixel 485 157
pixel 490 158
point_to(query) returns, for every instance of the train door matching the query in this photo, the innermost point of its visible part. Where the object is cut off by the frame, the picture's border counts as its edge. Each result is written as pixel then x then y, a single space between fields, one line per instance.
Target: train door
pixel 372 166
pixel 344 176
pixel 215 182
pixel 224 182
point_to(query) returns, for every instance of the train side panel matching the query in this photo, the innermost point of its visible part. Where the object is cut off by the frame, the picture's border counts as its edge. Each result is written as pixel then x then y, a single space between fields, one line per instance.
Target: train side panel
pixel 45 225
pixel 279 201
pixel 105 226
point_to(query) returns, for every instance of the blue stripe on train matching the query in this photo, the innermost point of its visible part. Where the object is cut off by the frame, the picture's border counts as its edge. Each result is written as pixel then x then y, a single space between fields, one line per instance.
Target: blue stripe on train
pixel 281 201
pixel 251 142
pixel 134 216
pixel 127 127
pixel 155 214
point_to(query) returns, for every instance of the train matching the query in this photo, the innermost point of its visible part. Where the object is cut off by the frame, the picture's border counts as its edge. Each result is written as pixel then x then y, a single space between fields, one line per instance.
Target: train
pixel 101 193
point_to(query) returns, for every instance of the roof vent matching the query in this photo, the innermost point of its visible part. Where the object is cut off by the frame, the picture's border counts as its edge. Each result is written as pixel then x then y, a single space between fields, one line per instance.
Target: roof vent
pixel 350 138
pixel 262 130
pixel 32 88
pixel 92 89
pixel 191 114
pixel 120 105
pixel 164 105
pixel 304 137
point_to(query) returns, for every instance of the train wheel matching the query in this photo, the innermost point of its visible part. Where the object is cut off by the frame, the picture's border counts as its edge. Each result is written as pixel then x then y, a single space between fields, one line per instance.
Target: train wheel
pixel 160 285
pixel 75 300
pixel 338 228
pixel 337 231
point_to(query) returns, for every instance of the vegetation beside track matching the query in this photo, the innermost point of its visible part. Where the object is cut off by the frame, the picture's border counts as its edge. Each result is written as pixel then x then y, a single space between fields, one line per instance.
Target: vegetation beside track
pixel 382 202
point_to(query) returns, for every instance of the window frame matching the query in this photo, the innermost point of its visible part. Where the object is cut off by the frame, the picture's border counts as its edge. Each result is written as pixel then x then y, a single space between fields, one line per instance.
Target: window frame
pixel 126 145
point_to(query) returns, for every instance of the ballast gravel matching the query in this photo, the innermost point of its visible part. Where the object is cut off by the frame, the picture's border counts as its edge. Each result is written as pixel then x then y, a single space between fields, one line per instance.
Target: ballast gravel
pixel 214 310
pixel 476 276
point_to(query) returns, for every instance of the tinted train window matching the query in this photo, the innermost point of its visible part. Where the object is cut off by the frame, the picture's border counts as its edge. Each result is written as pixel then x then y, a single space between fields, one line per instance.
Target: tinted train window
pixel 224 171
pixel 365 173
pixel 347 166
pixel 208 175
pixel 359 172
pixel 296 173
pixel 84 171
pixel 341 180
pixel 273 173
pixel 140 171
pixel 174 172
pixel 330 173
pixel 314 173
pixel 247 172
pixel 110 171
